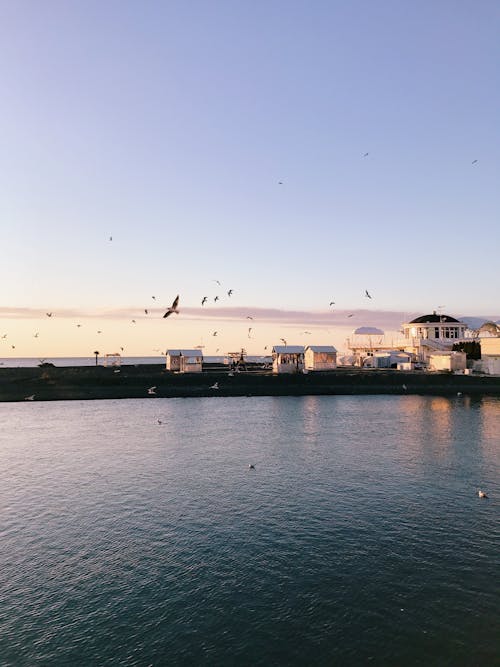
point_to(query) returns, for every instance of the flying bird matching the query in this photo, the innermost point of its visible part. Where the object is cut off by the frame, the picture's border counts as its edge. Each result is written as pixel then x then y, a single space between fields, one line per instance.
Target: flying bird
pixel 217 281
pixel 99 332
pixel 49 314
pixel 474 161
pixel 215 385
pixel 351 315
pixel 203 301
pixel 280 182
pixel 146 310
pixel 366 154
pixel 332 303
pixel 154 298
pixel 133 322
pixel 78 326
pixel 30 398
pixel 110 238
pixel 152 391
pixel 216 299
pixel 35 335
pixel 214 333
pixel 249 317
pixel 173 307
pixel 229 292
pixel 284 341
pixel 367 294
pixel 249 330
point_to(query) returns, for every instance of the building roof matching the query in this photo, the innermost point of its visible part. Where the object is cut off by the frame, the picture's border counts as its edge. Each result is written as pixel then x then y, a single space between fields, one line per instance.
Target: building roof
pixel 322 348
pixel 424 319
pixel 185 353
pixel 288 349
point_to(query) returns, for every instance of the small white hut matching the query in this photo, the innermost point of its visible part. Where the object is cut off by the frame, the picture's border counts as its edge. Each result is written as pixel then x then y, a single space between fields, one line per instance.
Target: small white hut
pixel 112 359
pixel 447 361
pixel 490 356
pixel 320 358
pixel 184 361
pixel 288 358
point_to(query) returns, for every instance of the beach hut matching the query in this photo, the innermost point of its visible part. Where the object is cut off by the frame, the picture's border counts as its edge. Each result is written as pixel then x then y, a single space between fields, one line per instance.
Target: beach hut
pixel 112 359
pixel 320 358
pixel 184 361
pixel 447 361
pixel 288 358
pixel 490 355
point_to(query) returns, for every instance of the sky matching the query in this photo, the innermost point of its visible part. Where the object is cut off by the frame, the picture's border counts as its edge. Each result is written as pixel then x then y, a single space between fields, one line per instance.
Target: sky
pixel 297 153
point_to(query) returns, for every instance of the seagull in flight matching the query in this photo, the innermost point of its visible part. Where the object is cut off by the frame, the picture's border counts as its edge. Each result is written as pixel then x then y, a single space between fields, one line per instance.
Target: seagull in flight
pixel 214 333
pixel 173 307
pixel 30 398
pixel 249 317
pixel 152 391
pixel 215 385
pixel 280 182
pixel 332 303
pixel 351 315
pixel 229 292
pixel 474 161
pixel 110 238
pixel 49 314
pixel 366 154
pixel 35 335
pixel 203 301
pixel 249 330
pixel 217 281
pixel 367 294
pixel 216 299
pixel 284 341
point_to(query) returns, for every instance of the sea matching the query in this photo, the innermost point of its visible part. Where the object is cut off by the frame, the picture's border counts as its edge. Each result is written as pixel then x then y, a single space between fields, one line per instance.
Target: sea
pixel 135 532
pixel 32 362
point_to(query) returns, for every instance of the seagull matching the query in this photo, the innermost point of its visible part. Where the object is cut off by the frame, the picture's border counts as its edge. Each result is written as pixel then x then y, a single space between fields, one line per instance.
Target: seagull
pixel 332 303
pixel 117 370
pixel 152 391
pixel 251 466
pixel 99 332
pixel 216 299
pixel 214 333
pixel 217 281
pixel 133 322
pixel 249 330
pixel 351 315
pixel 4 336
pixel 203 301
pixel 154 298
pixel 35 335
pixel 49 314
pixel 215 385
pixel 405 387
pixel 78 326
pixel 367 294
pixel 249 317
pixel 284 341
pixel 110 238
pixel 173 307
pixel 122 348
pixel 146 310
pixel 474 161
pixel 481 494
pixel 159 421
pixel 280 182
pixel 366 154
pixel 229 292
pixel 306 332
pixel 30 398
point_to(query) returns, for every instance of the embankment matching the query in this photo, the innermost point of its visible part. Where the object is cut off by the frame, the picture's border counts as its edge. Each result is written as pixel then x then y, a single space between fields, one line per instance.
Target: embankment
pixel 76 383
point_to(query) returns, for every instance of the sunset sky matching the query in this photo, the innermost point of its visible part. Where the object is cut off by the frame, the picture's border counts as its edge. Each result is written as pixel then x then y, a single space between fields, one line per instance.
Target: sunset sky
pixel 296 152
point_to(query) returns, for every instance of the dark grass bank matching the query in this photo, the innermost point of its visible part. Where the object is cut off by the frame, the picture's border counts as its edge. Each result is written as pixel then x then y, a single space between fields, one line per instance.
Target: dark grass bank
pixel 84 382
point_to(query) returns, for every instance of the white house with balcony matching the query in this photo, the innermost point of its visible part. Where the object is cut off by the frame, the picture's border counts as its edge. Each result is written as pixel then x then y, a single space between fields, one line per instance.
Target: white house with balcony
pixel 184 361
pixel 288 358
pixel 320 358
pixel 432 333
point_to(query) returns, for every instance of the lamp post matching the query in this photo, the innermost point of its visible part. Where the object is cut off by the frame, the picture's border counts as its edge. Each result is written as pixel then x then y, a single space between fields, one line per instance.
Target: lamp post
pixel 96 352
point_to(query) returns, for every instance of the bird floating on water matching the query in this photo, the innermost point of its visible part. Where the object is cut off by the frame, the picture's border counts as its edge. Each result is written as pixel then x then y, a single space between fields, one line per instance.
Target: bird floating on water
pixel 251 466
pixel 173 308
pixel 215 385
pixel 30 398
pixel 481 494
pixel 152 391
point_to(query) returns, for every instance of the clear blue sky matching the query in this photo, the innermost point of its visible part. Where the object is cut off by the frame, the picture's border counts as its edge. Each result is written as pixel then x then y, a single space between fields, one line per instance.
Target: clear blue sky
pixel 169 125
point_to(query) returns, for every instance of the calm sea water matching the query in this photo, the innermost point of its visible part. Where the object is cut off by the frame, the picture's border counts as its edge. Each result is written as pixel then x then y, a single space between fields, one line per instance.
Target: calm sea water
pixel 357 539
pixel 32 362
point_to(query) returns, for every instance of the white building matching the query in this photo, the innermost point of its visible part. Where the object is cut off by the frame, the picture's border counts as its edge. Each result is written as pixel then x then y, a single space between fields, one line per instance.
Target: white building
pixel 490 355
pixel 184 361
pixel 288 358
pixel 112 359
pixel 390 359
pixel 320 358
pixel 447 361
pixel 430 333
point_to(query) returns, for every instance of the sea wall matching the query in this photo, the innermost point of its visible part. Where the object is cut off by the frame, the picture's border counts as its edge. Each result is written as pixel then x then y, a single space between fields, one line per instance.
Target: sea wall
pixel 76 383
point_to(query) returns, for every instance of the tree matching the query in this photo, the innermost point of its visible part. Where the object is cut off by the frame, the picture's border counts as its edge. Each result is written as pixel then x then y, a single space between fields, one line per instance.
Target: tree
pixel 96 352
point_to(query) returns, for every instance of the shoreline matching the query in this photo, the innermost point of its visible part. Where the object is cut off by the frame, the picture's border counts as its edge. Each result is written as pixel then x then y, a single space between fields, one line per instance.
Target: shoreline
pixel 97 382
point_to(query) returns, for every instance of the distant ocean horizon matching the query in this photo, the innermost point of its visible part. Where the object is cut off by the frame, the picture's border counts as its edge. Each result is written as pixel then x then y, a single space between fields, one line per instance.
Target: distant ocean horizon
pixel 32 362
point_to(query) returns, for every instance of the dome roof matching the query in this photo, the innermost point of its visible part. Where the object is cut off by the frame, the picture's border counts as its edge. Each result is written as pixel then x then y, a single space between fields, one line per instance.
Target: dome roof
pixel 423 319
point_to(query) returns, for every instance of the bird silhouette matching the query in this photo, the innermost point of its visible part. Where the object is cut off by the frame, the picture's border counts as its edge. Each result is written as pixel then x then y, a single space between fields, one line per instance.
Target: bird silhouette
pixel 367 294
pixel 49 314
pixel 283 340
pixel 229 292
pixel 173 308
pixel 366 154
pixel 216 299
pixel 215 385
pixel 474 161
pixel 332 303
pixel 30 398
pixel 203 301
pixel 214 333
pixel 152 391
